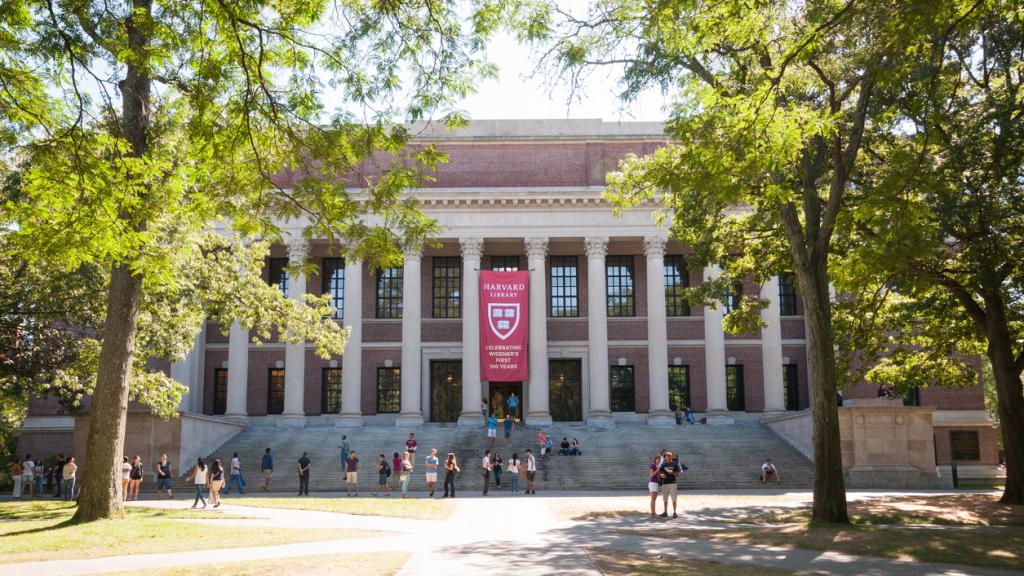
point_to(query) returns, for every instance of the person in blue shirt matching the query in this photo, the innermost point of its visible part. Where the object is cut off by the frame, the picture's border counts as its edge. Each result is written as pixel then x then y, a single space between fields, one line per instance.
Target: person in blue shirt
pixel 509 424
pixel 267 466
pixel 430 463
pixel 492 428
pixel 513 404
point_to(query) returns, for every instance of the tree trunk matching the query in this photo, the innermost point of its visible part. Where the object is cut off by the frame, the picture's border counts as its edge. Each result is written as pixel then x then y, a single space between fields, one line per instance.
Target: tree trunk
pixel 829 487
pixel 1010 393
pixel 101 482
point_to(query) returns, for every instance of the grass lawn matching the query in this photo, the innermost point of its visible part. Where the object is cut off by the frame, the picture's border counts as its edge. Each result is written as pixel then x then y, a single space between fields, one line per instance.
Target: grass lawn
pixel 330 565
pixel 41 530
pixel 423 508
pixel 616 563
pixel 944 509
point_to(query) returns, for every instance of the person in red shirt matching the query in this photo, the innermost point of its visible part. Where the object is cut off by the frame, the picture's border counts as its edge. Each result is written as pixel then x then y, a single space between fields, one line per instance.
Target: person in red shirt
pixel 410 444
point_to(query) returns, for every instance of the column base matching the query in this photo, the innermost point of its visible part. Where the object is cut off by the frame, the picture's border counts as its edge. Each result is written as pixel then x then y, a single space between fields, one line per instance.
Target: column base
pixel 292 420
pixel 720 418
pixel 409 420
pixel 661 419
pixel 538 419
pixel 349 421
pixel 600 419
pixel 471 419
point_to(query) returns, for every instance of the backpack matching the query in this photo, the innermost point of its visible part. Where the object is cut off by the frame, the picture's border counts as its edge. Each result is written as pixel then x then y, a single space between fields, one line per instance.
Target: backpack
pixel 387 470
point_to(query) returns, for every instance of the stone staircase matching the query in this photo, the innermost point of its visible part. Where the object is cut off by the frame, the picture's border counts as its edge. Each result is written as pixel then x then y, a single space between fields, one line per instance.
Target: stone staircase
pixel 726 456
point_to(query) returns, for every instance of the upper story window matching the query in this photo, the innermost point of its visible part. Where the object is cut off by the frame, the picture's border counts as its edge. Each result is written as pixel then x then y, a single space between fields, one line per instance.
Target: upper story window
pixel 677 279
pixel 389 293
pixel 277 273
pixel 505 263
pixel 564 287
pixel 787 294
pixel 333 275
pixel 447 280
pixel 621 291
pixel 732 301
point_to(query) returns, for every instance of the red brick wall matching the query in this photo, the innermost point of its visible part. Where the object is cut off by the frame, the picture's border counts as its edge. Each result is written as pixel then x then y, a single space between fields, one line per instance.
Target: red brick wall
pixel 637 358
pixel 792 328
pixel 373 359
pixel 260 363
pixel 41 444
pixel 753 374
pixel 693 356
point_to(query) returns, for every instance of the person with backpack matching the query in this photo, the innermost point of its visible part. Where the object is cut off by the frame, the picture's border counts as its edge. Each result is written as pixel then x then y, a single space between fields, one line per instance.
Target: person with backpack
pixel 135 478
pixel 383 474
pixel 451 468
pixel 668 473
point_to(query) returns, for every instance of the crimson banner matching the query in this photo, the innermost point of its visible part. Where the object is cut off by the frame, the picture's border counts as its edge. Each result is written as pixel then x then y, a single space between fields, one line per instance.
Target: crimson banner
pixel 504 333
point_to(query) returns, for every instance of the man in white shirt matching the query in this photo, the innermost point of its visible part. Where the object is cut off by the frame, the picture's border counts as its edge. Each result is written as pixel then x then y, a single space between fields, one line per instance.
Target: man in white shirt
pixel 487 466
pixel 531 471
pixel 768 470
pixel 235 475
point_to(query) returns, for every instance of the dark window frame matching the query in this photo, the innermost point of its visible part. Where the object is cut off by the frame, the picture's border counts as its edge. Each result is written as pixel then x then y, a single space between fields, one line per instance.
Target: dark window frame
pixel 677 390
pixel 734 298
pixel 974 453
pixel 623 399
pixel 791 386
pixel 275 390
pixel 332 271
pixel 735 388
pixel 620 282
pixel 220 391
pixel 787 294
pixel 389 296
pixel 442 391
pixel 677 279
pixel 277 273
pixel 565 379
pixel 505 263
pixel 564 287
pixel 331 391
pixel 393 379
pixel 446 286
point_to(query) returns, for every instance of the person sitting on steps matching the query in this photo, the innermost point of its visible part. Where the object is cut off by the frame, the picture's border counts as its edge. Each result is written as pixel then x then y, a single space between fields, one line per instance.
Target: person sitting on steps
pixel 768 470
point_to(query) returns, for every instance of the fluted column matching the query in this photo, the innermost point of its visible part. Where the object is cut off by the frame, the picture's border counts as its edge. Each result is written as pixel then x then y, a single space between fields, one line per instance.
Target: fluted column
pixel 411 413
pixel 714 356
pixel 597 330
pixel 657 334
pixel 294 413
pixel 771 347
pixel 472 393
pixel 352 359
pixel 538 410
pixel 238 372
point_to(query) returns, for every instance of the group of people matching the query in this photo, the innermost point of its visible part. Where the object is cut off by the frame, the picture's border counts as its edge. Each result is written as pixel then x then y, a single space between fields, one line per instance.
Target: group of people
pixel 492 466
pixel 34 478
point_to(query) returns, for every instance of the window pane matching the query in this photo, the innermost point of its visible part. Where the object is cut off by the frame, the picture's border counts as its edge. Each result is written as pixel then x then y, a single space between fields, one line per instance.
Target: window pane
pixel 791 388
pixel 565 390
pixel 677 279
pixel 734 395
pixel 330 393
pixel 389 390
pixel 220 390
pixel 333 275
pixel 389 293
pixel 623 393
pixel 277 274
pixel 964 445
pixel 621 294
pixel 275 391
pixel 679 387
pixel 505 263
pixel 564 296
pixel 732 301
pixel 787 294
pixel 447 278
pixel 445 390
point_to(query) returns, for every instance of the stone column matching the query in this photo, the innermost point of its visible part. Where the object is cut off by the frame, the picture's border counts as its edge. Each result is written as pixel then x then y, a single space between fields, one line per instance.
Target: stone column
pixel 597 330
pixel 657 334
pixel 238 372
pixel 352 359
pixel 771 347
pixel 294 413
pixel 538 411
pixel 472 393
pixel 411 413
pixel 714 357
pixel 188 371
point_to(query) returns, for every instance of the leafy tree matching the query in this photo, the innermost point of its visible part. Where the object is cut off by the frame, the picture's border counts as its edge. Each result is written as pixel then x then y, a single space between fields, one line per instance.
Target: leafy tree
pixel 138 125
pixel 950 237
pixel 774 101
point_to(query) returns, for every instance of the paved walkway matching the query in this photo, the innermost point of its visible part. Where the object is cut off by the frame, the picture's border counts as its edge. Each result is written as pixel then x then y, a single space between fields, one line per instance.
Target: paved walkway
pixel 499 534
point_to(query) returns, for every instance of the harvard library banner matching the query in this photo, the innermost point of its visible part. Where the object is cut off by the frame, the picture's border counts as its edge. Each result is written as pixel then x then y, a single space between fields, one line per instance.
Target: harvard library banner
pixel 504 333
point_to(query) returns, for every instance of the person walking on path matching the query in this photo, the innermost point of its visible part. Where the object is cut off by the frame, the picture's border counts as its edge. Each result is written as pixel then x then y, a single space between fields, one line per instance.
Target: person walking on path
pixel 430 464
pixel 410 445
pixel 163 477
pixel 492 428
pixel 198 476
pixel 531 472
pixel 135 478
pixel 216 481
pixel 383 473
pixel 668 472
pixel 16 477
pixel 345 446
pixel 27 475
pixel 267 467
pixel 406 473
pixel 68 479
pixel 487 466
pixel 352 474
pixel 513 405
pixel 59 475
pixel 235 475
pixel 304 474
pixel 496 466
pixel 654 483
pixel 513 473
pixel 509 425
pixel 451 468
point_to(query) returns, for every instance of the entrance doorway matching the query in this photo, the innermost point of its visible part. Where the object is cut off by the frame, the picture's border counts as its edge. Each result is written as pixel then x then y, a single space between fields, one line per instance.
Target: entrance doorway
pixel 500 392
pixel 445 390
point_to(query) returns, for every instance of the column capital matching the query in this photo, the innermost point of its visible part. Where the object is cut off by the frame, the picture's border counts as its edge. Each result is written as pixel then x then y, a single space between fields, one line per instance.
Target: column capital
pixel 297 247
pixel 411 254
pixel 536 247
pixel 597 246
pixel 654 246
pixel 472 248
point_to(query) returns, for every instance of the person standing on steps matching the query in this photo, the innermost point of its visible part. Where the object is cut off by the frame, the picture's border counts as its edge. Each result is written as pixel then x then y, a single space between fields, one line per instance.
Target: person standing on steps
pixel 487 466
pixel 352 474
pixel 345 447
pixel 383 473
pixel 304 474
pixel 531 472
pixel 163 477
pixel 267 466
pixel 513 405
pixel 496 465
pixel 406 473
pixel 668 473
pixel 410 445
pixel 235 475
pixel 430 464
pixel 654 483
pixel 509 425
pixel 451 468
pixel 396 467
pixel 542 440
pixel 198 476
pixel 492 428
pixel 513 473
